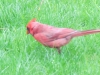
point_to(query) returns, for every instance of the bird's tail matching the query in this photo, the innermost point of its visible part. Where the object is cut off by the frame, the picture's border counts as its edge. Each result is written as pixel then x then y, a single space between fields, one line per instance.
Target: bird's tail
pixel 86 32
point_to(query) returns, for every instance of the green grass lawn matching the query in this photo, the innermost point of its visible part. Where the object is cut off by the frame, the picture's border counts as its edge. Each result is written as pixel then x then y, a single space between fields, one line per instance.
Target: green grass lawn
pixel 21 54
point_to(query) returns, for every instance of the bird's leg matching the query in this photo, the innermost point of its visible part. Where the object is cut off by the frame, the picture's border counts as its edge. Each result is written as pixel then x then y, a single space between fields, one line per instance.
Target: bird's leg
pixel 59 51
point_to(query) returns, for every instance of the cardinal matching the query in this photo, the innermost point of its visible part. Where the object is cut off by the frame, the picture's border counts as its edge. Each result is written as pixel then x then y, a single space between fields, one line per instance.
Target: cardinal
pixel 54 37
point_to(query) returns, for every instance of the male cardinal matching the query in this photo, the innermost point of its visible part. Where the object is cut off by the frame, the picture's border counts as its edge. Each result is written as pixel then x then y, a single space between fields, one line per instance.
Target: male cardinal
pixel 54 37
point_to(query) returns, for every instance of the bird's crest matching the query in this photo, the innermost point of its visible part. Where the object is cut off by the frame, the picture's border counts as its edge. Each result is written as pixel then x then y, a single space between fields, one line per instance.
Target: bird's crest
pixel 33 20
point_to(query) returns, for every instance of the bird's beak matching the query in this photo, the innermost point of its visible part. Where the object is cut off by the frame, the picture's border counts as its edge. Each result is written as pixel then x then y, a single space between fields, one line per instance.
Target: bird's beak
pixel 27 32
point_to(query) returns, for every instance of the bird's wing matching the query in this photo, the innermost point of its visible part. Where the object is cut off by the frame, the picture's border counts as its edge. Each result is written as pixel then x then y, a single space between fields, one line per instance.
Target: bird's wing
pixel 51 40
pixel 52 35
pixel 61 33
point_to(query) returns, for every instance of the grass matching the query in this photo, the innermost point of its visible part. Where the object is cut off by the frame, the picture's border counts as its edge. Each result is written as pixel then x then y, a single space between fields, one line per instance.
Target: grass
pixel 20 54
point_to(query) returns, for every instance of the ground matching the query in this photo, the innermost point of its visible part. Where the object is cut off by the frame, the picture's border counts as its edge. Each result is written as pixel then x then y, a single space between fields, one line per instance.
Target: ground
pixel 21 54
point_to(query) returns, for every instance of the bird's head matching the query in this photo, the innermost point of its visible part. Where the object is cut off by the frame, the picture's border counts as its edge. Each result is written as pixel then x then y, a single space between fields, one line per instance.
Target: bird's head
pixel 30 26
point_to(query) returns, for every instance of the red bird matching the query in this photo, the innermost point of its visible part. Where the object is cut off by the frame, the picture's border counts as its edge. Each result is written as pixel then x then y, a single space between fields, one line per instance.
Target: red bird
pixel 54 37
